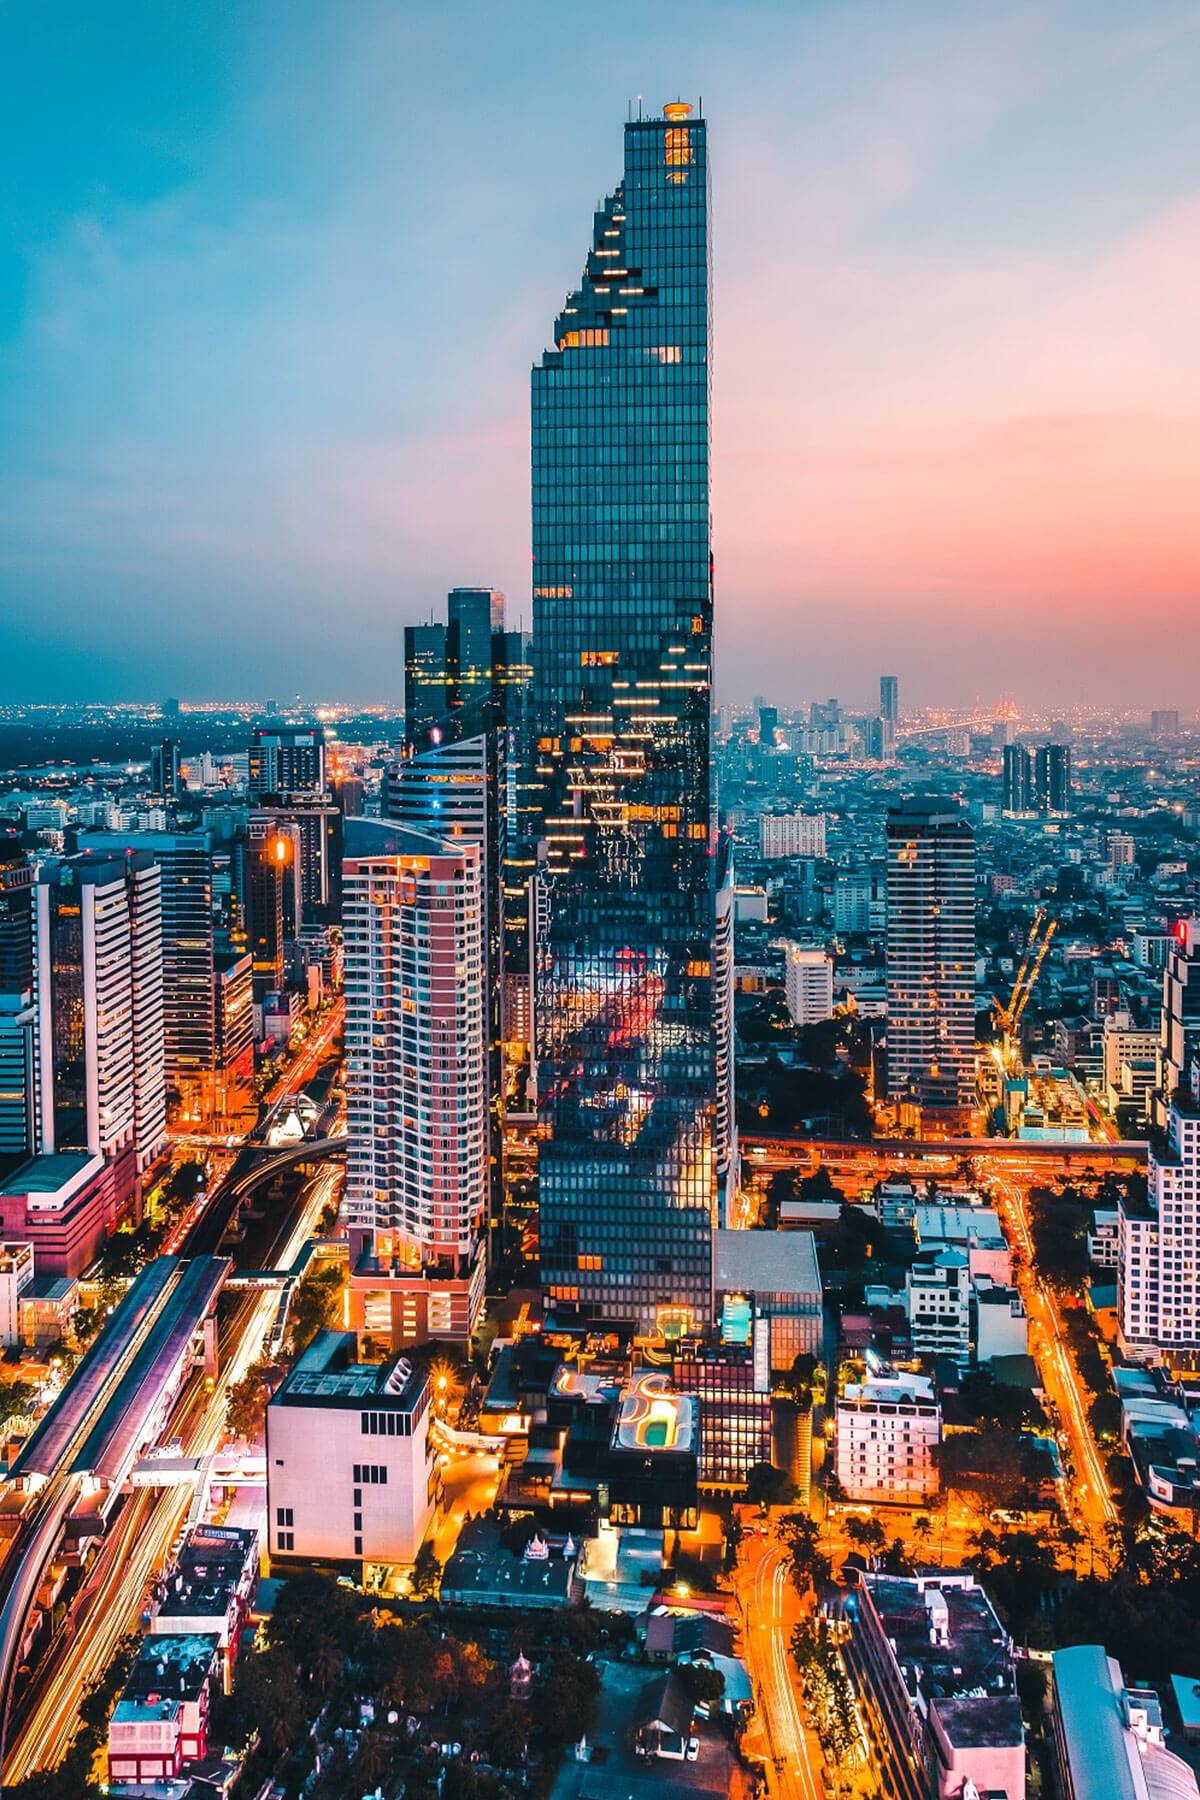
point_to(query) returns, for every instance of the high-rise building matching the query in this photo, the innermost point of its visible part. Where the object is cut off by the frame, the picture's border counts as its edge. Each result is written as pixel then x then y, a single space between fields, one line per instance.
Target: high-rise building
pixel 889 700
pixel 1164 724
pixel 268 858
pixel 1180 1043
pixel 768 725
pixel 474 620
pixel 233 1019
pixel 18 1102
pixel 287 762
pixel 791 834
pixel 426 679
pixel 99 995
pixel 416 1192
pixel 724 988
pixel 622 649
pixel 1158 1282
pixel 808 982
pixel 166 770
pixel 185 861
pixel 1018 779
pixel 931 954
pixel 1052 778
pixel 316 828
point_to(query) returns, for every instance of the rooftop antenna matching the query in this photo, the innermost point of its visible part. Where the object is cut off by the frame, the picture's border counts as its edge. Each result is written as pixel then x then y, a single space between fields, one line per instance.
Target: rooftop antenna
pixel 639 108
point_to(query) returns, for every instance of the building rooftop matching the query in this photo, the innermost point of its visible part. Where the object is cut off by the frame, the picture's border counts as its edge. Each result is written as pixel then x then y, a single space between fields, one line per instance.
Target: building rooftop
pixel 766 1262
pixel 326 1373
pixel 207 1572
pixel 988 1723
pixel 173 1667
pixel 49 1173
pixel 948 1640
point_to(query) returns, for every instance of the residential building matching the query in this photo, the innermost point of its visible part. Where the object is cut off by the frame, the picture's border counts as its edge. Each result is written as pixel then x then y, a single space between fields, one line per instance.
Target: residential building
pixel 351 1474
pixel 160 1723
pixel 724 979
pixel 166 770
pixel 623 673
pixel 937 1298
pixel 888 1429
pixel 233 1022
pixel 1018 780
pixel 287 762
pixel 931 956
pixel 1158 1276
pixel 1052 779
pixel 1001 1322
pixel 184 860
pixel 417 1173
pixel 732 1383
pixel 1109 1742
pixel 791 834
pixel 936 1672
pixel 99 997
pixel 1180 1042
pixel 808 978
pixel 1164 723
pixel 269 858
pixel 889 700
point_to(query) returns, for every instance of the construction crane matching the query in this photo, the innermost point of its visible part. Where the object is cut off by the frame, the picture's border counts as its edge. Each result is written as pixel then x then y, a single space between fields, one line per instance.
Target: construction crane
pixel 1036 945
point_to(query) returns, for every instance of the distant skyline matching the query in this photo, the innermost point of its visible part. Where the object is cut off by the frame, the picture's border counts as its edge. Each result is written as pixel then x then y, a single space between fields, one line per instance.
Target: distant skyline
pixel 271 283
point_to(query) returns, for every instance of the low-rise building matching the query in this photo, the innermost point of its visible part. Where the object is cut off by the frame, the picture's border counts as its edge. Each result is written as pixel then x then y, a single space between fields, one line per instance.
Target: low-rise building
pixel 160 1723
pixel 775 1274
pixel 936 1670
pixel 888 1430
pixel 1001 1322
pixel 16 1273
pixel 1109 1742
pixel 209 1589
pixel 351 1476
pixel 937 1299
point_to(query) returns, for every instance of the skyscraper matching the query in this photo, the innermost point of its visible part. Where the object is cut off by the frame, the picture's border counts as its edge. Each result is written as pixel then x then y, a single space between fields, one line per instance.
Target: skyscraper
pixel 889 700
pixel 184 859
pixel 416 1082
pixel 166 776
pixel 99 991
pixel 17 1090
pixel 1018 779
pixel 931 955
pixel 287 763
pixel 426 679
pixel 474 620
pixel 622 656
pixel 1180 1013
pixel 1052 778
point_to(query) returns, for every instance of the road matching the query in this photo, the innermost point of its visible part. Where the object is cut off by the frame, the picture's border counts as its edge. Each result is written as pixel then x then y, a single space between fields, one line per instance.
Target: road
pixel 1090 1489
pixel 770 1612
pixel 111 1605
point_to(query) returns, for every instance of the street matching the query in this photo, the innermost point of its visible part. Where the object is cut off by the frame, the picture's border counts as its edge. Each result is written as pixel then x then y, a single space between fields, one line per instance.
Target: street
pixel 770 1611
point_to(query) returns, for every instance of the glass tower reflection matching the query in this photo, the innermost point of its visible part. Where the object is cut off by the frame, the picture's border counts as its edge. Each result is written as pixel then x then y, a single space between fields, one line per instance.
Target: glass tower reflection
pixel 622 653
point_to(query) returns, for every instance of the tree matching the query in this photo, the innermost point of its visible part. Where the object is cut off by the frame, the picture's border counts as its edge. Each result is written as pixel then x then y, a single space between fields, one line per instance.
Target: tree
pixel 509 1740
pixel 314 1620
pixel 768 1486
pixel 799 1536
pixel 705 1686
pixel 865 1534
pixel 264 1703
pixel 246 1404
pixel 315 1305
pixel 426 1572
pixel 568 1687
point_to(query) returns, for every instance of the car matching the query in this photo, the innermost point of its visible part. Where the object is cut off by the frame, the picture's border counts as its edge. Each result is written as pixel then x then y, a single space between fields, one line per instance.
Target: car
pixel 693 1749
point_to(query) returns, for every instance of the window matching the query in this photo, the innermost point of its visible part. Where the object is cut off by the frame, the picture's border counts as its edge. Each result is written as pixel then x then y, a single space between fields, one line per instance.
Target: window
pixel 283 1515
pixel 358 1546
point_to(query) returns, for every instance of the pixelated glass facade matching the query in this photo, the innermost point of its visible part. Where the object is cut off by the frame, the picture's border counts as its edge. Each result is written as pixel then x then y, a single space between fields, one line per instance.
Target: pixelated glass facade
pixel 622 653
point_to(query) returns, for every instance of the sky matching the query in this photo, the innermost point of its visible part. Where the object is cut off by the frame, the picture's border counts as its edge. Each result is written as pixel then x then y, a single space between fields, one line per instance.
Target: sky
pixel 273 273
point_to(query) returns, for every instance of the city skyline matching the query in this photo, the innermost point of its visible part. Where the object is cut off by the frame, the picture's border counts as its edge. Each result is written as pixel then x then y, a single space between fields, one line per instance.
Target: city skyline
pixel 956 404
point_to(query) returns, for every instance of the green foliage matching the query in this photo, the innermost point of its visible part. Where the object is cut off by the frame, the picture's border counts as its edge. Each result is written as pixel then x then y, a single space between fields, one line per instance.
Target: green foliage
pixel 865 1534
pixel 704 1686
pixel 567 1690
pixel 1058 1224
pixel 768 1486
pixel 246 1403
pixel 315 1305
pixel 426 1572
pixel 995 1403
pixel 799 1535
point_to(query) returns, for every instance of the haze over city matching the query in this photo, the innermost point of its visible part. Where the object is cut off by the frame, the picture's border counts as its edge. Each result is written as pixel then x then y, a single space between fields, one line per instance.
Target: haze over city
pixel 272 283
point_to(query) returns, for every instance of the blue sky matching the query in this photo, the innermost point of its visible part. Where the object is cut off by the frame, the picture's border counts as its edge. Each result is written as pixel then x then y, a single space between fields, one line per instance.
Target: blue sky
pixel 272 276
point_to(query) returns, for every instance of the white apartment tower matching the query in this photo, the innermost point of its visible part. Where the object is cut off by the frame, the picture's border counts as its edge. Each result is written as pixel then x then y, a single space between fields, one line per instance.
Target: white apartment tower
pixel 791 834
pixel 1158 1245
pixel 416 1086
pixel 808 978
pixel 98 990
pixel 888 1430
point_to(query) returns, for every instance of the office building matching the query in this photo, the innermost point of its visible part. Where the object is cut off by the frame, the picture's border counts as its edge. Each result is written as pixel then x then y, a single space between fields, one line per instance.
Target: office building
pixel 416 1195
pixel 1180 1041
pixel 931 957
pixel 808 981
pixel 1052 779
pixel 889 700
pixel 1018 780
pixel 314 895
pixel 1158 1278
pixel 267 855
pixel 233 1025
pixel 16 917
pixel 1109 1741
pixel 623 671
pixel 474 621
pixel 724 1032
pixel 351 1474
pixel 184 861
pixel 166 770
pixel 791 834
pixel 888 1429
pixel 99 994
pixel 768 726
pixel 936 1672
pixel 18 1091
pixel 732 1385
pixel 772 1276
pixel 286 763
pixel 426 679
